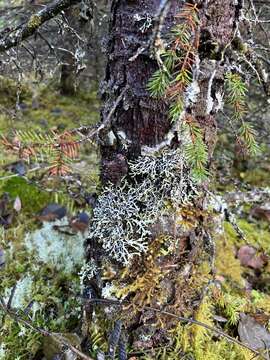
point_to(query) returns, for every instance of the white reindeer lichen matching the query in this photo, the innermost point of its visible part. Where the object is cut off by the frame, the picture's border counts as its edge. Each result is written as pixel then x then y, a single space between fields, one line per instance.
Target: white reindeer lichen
pixel 22 294
pixel 52 247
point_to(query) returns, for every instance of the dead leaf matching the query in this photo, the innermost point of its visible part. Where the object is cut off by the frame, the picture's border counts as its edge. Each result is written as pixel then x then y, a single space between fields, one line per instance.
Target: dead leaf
pixel 17 206
pixel 261 213
pixel 248 258
pixel 261 318
pixel 52 212
pixel 80 222
pixel 219 318
pixel 252 333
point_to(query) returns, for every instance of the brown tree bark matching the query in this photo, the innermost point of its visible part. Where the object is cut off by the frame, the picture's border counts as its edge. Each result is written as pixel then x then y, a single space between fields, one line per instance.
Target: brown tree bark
pixel 169 282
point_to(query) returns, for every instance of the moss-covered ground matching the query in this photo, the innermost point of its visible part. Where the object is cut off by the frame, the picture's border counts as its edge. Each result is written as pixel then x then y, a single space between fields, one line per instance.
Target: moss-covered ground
pixel 51 292
pixel 54 293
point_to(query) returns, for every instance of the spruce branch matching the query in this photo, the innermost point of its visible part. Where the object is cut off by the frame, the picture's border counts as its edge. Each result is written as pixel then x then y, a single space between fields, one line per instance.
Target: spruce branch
pixel 196 151
pixel 172 80
pixel 237 91
pixel 247 135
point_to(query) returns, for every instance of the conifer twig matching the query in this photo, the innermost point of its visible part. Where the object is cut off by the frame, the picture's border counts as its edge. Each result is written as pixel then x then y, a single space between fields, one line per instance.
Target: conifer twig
pixel 107 121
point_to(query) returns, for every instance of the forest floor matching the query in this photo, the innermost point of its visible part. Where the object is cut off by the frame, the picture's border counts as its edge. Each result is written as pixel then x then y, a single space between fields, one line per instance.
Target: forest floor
pixel 45 263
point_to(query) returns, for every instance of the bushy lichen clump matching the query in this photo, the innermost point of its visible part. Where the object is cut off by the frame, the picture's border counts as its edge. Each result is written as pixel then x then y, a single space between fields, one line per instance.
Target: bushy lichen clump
pixel 62 251
pixel 124 215
pixel 34 21
pixel 119 224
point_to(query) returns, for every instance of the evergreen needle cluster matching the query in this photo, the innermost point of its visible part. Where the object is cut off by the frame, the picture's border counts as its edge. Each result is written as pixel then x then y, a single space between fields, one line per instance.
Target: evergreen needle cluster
pixel 236 97
pixel 173 79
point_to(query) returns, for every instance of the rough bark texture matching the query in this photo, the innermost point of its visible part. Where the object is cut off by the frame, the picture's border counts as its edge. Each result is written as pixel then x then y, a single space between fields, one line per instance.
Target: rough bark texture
pixel 139 118
pixel 141 121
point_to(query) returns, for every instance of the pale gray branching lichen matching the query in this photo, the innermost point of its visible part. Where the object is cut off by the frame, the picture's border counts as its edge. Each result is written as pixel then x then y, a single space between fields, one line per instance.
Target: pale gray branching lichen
pixel 2 351
pixel 147 21
pixel 166 178
pixel 88 271
pixel 123 216
pixel 118 223
pixel 108 291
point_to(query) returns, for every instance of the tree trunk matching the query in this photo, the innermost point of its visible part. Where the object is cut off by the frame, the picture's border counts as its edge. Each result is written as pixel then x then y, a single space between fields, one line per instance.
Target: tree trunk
pixel 155 264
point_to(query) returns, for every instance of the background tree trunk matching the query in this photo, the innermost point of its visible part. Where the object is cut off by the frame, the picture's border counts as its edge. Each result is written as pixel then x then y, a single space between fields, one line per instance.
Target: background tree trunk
pixel 170 282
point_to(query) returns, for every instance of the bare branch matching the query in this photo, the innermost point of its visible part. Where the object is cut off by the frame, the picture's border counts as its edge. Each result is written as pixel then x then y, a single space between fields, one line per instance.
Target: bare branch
pixel 13 38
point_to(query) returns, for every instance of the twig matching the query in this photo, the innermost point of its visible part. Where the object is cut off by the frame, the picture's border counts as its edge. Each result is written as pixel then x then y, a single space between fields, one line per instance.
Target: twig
pixel 161 14
pixel 34 22
pixel 182 319
pixel 208 327
pixel 58 338
pixel 11 297
pixel 106 123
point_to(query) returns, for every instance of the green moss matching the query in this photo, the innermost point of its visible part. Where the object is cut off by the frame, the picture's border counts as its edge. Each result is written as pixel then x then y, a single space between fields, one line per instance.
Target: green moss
pixel 66 112
pixel 256 177
pixel 31 197
pixel 226 255
pixel 255 234
pixel 52 110
pixel 196 342
pixel 55 307
pixel 34 21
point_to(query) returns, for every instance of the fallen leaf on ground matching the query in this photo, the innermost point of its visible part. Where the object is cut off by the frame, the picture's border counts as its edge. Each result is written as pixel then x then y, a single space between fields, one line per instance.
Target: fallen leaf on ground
pixel 17 204
pixel 261 213
pixel 52 212
pixel 80 222
pixel 252 333
pixel 247 256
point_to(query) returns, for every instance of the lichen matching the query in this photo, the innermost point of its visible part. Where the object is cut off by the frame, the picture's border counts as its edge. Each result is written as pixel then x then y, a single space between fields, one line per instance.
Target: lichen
pixel 88 271
pixel 22 294
pixel 51 259
pixel 45 274
pixel 63 252
pixel 2 351
pixel 34 21
pixel 123 216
